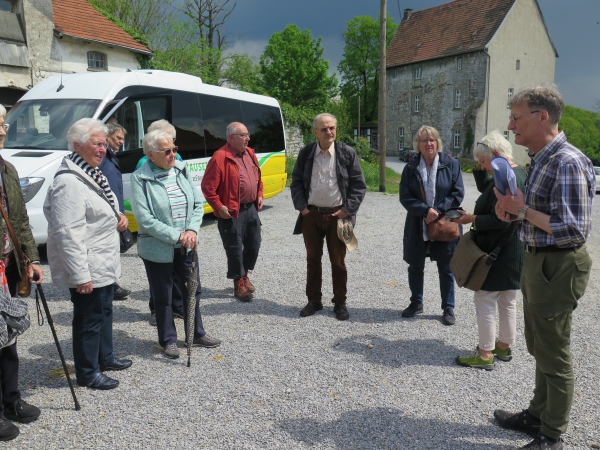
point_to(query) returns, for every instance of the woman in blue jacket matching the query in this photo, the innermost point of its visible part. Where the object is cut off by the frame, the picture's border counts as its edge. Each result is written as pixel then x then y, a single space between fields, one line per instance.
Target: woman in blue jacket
pixel 438 177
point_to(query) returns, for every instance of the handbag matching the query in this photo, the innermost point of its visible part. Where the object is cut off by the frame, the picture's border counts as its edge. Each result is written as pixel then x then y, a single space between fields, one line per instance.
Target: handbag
pixel 126 238
pixel 470 265
pixel 440 230
pixel 24 285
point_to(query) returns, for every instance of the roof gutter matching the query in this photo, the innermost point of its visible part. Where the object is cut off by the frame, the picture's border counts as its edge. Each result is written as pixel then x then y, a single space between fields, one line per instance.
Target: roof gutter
pixel 112 44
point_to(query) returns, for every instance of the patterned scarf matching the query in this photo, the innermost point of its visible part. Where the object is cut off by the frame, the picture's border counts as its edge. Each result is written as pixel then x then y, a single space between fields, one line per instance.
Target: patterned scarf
pixel 429 178
pixel 94 174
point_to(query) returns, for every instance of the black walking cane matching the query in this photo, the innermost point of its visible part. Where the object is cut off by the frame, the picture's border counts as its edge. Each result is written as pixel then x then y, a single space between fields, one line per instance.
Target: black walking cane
pixel 51 323
pixel 192 285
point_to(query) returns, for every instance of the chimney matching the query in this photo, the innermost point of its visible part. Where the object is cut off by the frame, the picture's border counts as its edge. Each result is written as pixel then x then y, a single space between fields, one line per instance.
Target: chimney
pixel 407 13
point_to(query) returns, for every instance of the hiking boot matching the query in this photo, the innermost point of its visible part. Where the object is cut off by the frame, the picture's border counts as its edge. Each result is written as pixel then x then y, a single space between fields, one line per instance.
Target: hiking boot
pixel 341 312
pixel 501 354
pixel 240 290
pixel 522 421
pixel 310 309
pixel 476 360
pixel 22 412
pixel 541 442
pixel 448 317
pixel 121 293
pixel 152 320
pixel 249 284
pixel 8 430
pixel 413 309
pixel 206 341
pixel 172 351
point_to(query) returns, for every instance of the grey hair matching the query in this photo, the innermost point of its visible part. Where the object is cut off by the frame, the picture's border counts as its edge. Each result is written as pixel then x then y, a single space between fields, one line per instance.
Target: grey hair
pixel 81 131
pixel 320 116
pixel 232 128
pixel 163 125
pixel 544 98
pixel 114 127
pixel 151 140
pixel 2 111
pixel 429 132
pixel 491 142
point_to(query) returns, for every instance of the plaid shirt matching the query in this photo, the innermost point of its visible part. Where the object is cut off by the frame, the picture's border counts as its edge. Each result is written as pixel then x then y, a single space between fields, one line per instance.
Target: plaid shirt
pixel 249 178
pixel 561 183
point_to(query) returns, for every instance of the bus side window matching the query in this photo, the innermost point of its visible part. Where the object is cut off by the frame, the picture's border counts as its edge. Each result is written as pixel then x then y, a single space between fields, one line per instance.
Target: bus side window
pixel 265 126
pixel 217 113
pixel 187 120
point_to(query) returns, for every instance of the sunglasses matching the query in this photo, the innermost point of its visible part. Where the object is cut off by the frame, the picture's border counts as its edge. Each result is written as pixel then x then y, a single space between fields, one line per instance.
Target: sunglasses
pixel 167 151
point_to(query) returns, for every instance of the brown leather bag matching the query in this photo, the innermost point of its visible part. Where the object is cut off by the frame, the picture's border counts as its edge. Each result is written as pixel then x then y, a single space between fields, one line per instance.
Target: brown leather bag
pixel 440 230
pixel 24 285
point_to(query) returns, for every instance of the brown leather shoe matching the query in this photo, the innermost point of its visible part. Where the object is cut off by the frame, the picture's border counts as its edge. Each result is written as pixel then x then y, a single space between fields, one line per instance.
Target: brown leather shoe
pixel 249 284
pixel 240 290
pixel 341 312
pixel 310 309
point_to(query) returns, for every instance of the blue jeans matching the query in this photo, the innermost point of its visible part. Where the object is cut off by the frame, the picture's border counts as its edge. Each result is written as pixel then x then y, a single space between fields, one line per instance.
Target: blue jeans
pixel 415 282
pixel 92 331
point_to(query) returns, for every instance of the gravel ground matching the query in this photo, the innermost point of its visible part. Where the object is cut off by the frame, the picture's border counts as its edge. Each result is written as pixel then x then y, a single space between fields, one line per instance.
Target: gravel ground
pixel 281 381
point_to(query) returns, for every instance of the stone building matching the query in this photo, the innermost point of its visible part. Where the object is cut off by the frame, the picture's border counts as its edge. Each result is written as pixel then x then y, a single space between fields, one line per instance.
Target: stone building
pixel 41 38
pixel 454 66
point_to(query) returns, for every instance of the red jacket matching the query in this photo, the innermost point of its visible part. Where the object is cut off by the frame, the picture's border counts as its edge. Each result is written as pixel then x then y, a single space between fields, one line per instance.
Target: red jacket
pixel 221 181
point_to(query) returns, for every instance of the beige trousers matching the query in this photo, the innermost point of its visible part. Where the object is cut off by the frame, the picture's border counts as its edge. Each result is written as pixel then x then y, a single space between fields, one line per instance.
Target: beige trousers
pixel 486 303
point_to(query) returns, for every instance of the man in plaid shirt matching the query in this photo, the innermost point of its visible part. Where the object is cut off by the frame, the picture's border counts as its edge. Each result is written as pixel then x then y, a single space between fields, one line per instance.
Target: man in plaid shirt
pixel 556 218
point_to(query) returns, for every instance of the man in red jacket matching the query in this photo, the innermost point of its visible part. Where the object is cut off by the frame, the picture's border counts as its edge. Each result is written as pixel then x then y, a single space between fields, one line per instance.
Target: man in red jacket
pixel 233 188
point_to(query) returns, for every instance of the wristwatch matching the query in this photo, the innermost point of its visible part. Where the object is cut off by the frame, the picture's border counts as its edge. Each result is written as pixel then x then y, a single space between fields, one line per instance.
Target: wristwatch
pixel 523 213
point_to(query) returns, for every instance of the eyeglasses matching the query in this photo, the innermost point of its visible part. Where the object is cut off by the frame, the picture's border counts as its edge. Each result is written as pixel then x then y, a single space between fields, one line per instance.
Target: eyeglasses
pixel 514 117
pixel 326 129
pixel 100 145
pixel 6 126
pixel 242 135
pixel 427 141
pixel 167 151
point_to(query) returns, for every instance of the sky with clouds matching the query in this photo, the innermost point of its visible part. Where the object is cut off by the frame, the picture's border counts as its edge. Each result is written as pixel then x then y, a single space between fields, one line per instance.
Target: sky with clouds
pixel 574 27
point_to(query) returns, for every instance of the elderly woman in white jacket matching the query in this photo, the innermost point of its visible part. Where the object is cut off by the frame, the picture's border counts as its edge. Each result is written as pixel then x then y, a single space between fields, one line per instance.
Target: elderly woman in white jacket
pixel 83 250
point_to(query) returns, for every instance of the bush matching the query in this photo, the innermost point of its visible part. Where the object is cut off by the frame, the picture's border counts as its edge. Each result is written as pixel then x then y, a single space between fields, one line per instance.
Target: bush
pixel 363 149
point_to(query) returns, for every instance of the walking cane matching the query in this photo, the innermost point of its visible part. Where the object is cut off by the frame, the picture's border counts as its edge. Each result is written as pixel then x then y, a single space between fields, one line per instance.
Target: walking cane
pixel 192 285
pixel 51 323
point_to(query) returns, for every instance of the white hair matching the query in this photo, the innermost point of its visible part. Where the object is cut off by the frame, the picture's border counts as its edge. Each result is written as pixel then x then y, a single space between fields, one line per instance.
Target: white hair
pixel 151 140
pixel 232 128
pixel 2 111
pixel 491 142
pixel 81 131
pixel 163 125
pixel 320 116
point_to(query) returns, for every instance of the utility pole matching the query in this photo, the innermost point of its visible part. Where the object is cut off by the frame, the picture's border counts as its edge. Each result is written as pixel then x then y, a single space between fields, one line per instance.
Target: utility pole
pixel 382 94
pixel 358 123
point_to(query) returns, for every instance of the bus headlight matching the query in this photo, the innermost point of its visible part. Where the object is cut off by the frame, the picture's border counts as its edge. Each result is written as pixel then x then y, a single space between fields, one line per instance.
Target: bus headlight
pixel 30 187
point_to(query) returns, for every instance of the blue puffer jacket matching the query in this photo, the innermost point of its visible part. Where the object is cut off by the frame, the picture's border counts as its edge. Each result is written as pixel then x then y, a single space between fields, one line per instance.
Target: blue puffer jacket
pixel 449 193
pixel 150 204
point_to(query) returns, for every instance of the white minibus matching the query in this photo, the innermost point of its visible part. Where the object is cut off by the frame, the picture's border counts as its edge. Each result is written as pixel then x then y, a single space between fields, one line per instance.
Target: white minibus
pixel 37 135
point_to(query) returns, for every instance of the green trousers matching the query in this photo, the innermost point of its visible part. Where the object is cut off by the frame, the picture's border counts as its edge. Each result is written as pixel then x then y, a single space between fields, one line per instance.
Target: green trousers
pixel 551 284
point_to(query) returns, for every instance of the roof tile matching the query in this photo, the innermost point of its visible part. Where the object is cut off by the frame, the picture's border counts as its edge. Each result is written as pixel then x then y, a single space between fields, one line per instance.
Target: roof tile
pixel 457 27
pixel 80 19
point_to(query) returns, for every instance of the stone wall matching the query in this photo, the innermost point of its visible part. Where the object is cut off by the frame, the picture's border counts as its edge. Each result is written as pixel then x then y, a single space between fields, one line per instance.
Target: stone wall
pixel 436 93
pixel 293 140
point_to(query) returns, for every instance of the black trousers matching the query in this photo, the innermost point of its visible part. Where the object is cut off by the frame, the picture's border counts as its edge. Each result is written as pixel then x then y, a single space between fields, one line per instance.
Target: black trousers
pixel 92 331
pixel 9 358
pixel 176 297
pixel 161 289
pixel 241 240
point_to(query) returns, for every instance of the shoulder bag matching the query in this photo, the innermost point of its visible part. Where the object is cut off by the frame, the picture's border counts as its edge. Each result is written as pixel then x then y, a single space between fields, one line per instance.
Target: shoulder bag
pixel 440 230
pixel 24 286
pixel 125 236
pixel 470 265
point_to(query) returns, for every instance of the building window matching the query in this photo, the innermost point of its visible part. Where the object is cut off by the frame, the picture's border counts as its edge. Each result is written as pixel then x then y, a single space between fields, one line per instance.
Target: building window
pixel 416 103
pixel 459 64
pixel 97 61
pixel 506 135
pixel 400 138
pixel 458 99
pixel 418 73
pixel 395 73
pixel 510 93
pixel 457 139
pixel 518 64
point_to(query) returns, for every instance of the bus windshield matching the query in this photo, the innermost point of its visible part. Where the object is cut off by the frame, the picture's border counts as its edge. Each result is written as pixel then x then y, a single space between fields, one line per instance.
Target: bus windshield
pixel 43 124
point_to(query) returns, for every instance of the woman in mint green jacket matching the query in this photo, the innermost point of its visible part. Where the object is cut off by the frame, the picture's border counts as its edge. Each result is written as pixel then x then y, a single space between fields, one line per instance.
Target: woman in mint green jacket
pixel 168 209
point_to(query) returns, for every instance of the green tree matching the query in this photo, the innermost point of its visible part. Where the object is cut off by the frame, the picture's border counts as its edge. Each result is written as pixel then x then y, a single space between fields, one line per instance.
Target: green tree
pixel 242 72
pixel 582 129
pixel 359 68
pixel 294 71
